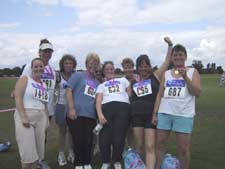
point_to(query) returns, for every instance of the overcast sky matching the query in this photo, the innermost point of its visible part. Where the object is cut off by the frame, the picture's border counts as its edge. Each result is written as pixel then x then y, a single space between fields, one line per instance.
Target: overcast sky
pixel 114 29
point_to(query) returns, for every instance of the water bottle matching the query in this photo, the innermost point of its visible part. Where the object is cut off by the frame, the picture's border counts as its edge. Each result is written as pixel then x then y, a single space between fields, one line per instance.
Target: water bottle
pixel 5 146
pixel 132 160
pixel 170 162
pixel 97 129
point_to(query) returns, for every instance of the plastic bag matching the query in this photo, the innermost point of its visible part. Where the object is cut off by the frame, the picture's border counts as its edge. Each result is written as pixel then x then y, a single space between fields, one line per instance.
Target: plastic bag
pixel 170 162
pixel 132 160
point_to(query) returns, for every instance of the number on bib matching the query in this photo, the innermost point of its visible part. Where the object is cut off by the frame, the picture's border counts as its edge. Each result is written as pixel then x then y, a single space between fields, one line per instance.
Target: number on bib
pixel 89 90
pixel 114 89
pixel 41 95
pixel 48 83
pixel 143 88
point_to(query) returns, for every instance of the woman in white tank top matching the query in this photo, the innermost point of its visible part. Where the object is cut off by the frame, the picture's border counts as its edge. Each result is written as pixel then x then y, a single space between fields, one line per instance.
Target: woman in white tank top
pixel 175 107
pixel 30 117
pixel 67 64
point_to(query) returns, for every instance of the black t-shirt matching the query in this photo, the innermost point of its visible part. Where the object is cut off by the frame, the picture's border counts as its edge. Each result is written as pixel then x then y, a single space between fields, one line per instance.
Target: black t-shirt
pixel 144 104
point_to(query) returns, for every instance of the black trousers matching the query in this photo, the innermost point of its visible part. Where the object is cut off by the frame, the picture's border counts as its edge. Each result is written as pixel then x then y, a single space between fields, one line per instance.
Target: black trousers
pixel 114 131
pixel 82 136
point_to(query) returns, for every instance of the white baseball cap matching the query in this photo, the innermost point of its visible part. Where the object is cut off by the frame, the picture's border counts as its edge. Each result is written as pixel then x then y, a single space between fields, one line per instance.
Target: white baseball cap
pixel 44 46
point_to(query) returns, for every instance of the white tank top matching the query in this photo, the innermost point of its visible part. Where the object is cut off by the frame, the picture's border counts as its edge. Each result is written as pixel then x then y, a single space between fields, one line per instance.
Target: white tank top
pixel 48 76
pixel 35 95
pixel 62 91
pixel 177 100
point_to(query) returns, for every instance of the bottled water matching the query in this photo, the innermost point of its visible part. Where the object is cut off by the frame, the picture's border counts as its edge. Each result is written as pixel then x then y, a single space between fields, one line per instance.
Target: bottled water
pixel 132 160
pixel 170 162
pixel 97 129
pixel 5 146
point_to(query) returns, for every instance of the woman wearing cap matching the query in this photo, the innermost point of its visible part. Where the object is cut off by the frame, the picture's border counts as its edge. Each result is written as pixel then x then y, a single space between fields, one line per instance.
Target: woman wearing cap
pixel 81 119
pixel 48 77
pixel 31 119
pixel 112 105
pixel 143 97
pixel 67 64
pixel 175 107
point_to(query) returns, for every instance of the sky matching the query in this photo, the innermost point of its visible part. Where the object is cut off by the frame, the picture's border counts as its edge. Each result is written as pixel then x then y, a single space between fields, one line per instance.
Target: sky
pixel 114 29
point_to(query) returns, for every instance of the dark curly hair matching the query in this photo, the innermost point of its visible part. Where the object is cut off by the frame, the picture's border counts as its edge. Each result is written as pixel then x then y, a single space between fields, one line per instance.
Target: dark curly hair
pixel 67 57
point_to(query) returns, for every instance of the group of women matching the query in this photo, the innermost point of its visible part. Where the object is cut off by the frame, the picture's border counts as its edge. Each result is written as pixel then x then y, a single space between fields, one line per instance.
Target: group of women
pixel 144 107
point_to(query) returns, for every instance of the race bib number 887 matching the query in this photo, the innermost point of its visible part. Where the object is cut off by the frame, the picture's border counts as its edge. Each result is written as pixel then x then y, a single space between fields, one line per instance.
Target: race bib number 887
pixel 175 88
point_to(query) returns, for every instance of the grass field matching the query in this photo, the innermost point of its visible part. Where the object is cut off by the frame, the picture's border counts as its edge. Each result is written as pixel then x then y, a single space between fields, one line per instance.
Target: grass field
pixel 208 141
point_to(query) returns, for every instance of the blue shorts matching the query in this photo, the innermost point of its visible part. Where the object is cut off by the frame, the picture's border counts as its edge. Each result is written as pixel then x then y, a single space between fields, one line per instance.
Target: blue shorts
pixel 175 123
pixel 60 114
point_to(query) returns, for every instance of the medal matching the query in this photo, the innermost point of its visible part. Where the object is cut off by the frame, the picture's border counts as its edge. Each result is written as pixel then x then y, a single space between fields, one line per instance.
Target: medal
pixel 176 72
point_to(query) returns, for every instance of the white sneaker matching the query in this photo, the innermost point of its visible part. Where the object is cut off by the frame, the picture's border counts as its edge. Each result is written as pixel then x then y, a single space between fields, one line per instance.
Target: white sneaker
pixel 87 166
pixel 42 165
pixel 70 157
pixel 117 165
pixel 105 166
pixel 78 167
pixel 61 159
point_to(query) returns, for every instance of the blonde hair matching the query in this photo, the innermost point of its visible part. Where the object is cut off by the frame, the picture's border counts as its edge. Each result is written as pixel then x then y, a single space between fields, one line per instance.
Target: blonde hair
pixel 92 57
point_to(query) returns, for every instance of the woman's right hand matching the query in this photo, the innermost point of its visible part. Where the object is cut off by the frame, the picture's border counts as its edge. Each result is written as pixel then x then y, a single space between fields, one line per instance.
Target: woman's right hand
pixel 102 119
pixel 25 121
pixel 168 41
pixel 72 114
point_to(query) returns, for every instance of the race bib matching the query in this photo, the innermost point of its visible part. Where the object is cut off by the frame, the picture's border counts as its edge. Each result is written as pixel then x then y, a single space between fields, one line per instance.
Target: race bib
pixel 143 88
pixel 48 83
pixel 40 93
pixel 175 88
pixel 90 89
pixel 48 77
pixel 113 87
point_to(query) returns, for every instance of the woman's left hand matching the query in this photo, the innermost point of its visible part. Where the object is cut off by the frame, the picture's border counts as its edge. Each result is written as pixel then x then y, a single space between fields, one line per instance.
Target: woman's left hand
pixel 102 119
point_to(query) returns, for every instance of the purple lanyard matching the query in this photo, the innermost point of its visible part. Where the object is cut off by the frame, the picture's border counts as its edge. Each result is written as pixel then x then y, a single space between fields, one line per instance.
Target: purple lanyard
pixel 49 71
pixel 41 87
pixel 112 82
pixel 90 82
pixel 140 83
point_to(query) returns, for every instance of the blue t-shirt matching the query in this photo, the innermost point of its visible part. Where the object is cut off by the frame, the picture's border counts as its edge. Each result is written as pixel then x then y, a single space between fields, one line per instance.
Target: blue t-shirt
pixel 84 104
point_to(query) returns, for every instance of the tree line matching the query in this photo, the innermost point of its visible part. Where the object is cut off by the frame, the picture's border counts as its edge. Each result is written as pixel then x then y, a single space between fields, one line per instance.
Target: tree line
pixel 211 68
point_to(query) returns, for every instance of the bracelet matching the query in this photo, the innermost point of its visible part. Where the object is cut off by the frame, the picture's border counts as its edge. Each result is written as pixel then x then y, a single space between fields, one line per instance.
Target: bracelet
pixel 170 44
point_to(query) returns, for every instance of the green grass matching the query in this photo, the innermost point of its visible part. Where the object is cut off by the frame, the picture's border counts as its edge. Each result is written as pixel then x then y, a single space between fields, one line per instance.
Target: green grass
pixel 208 148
